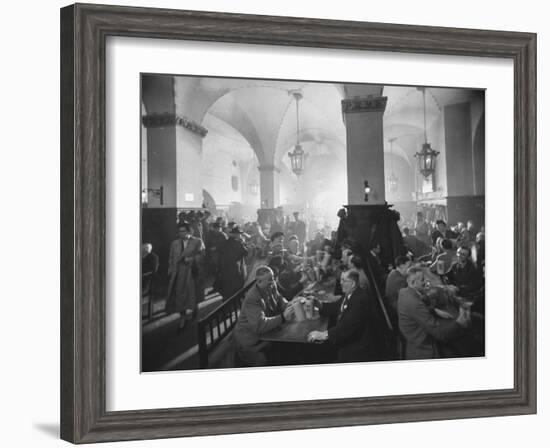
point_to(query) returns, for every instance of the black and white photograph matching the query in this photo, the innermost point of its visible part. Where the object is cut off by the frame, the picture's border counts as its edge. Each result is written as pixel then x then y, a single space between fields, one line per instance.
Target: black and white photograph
pixel 298 222
pixel 302 195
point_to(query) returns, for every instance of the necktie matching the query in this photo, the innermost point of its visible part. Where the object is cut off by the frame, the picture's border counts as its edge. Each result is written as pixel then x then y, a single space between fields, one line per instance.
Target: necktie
pixel 271 303
pixel 343 306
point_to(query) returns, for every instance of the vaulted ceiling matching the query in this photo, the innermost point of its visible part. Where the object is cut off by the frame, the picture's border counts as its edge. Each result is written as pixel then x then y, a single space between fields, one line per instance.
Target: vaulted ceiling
pixel 263 113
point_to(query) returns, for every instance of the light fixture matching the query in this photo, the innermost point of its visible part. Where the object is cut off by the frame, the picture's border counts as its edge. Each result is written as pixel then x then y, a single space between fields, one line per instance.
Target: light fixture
pixel 297 156
pixel 157 192
pixel 367 190
pixel 393 180
pixel 426 157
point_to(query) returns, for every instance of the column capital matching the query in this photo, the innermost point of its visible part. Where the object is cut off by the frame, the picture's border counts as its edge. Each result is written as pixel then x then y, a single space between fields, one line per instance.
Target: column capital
pixel 169 119
pixel 364 104
pixel 268 168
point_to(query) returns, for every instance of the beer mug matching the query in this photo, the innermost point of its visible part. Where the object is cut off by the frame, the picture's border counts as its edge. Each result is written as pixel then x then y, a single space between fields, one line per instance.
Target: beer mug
pixel 440 267
pixel 298 310
pixel 309 309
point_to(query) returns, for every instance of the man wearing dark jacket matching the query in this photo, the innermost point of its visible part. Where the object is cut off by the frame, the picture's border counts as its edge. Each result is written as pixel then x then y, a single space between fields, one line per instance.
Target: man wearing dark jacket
pixel 353 334
pixel 420 328
pixel 464 274
pixel 263 310
pixel 397 280
pixel 441 231
pixel 232 263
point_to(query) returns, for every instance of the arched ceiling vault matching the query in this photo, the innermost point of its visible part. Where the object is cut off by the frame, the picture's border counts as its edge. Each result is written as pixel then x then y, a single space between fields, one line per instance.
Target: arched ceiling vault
pixel 264 113
pixel 404 115
pixel 239 119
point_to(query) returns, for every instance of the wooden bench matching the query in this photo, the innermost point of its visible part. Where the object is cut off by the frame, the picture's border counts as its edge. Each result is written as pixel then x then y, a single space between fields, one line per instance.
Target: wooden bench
pixel 147 298
pixel 216 347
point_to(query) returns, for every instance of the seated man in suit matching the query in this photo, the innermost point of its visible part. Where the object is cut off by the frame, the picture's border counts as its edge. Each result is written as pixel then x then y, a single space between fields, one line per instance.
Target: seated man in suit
pixel 464 274
pixel 441 231
pixel 397 280
pixel 444 261
pixel 422 329
pixel 263 310
pixel 353 334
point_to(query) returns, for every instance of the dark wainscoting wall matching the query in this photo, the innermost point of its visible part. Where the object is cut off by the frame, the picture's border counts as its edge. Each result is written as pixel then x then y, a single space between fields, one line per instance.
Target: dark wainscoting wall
pixel 462 208
pixel 159 227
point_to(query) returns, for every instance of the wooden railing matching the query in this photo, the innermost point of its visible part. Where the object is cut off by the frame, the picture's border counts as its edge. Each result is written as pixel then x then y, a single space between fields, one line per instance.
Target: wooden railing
pixel 376 290
pixel 387 343
pixel 217 324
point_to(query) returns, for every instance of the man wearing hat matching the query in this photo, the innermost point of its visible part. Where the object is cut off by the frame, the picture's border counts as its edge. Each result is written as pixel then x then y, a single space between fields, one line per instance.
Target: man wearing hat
pixel 214 239
pixel 184 287
pixel 299 228
pixel 232 253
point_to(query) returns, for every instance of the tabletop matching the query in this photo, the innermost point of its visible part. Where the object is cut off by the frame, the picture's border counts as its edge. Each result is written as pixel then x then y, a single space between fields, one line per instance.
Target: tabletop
pixel 294 331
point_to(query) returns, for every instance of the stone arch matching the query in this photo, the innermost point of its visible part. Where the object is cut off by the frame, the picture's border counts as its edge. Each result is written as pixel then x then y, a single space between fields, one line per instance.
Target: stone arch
pixel 240 122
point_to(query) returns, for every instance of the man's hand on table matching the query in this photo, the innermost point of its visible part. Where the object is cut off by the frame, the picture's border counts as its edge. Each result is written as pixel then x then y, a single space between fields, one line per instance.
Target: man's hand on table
pixel 317 336
pixel 288 313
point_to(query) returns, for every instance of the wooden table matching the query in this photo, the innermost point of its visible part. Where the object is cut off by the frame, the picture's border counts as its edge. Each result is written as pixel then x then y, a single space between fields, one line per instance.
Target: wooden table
pixel 296 331
pixel 289 342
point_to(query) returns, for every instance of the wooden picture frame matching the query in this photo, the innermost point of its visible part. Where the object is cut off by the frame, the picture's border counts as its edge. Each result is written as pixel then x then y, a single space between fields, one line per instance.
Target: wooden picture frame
pixel 84 29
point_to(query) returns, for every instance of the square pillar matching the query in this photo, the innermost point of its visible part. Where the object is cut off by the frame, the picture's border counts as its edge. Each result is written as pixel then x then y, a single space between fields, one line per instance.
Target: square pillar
pixel 269 186
pixel 363 118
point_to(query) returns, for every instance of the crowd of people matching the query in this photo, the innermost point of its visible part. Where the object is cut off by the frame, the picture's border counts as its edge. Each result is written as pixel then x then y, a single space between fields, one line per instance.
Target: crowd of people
pixel 428 303
pixel 426 240
pixel 215 254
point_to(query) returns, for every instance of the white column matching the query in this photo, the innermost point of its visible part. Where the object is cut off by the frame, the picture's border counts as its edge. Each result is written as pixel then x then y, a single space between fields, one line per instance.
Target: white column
pixel 363 117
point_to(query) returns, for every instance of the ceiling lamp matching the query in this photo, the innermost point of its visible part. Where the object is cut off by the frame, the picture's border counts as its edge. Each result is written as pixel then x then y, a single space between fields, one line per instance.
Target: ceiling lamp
pixel 297 156
pixel 426 157
pixel 393 180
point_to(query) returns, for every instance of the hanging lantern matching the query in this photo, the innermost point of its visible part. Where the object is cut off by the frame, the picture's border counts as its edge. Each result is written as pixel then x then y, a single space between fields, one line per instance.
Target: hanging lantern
pixel 426 158
pixel 297 160
pixel 297 156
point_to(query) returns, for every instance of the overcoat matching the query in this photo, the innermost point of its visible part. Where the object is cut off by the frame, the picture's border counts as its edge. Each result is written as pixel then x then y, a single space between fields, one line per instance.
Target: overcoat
pixel 184 289
pixel 421 329
pixel 232 265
